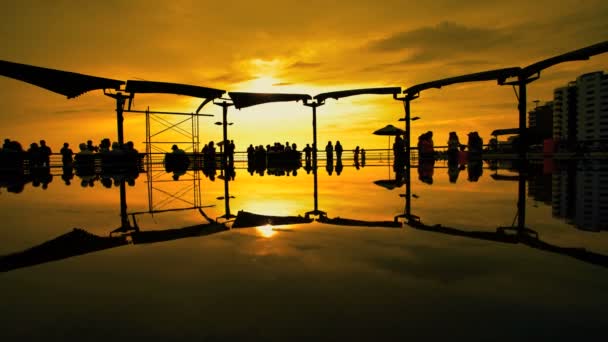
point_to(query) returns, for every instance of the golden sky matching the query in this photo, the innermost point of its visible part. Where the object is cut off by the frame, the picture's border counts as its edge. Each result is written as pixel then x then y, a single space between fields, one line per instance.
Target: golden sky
pixel 290 46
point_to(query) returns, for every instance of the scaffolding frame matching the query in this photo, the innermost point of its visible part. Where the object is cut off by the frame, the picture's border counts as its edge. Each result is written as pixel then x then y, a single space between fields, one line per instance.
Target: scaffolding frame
pixel 155 147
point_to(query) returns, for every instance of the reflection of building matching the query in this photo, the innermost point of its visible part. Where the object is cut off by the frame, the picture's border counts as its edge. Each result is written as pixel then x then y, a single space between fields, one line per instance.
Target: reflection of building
pixel 540 185
pixel 580 110
pixel 562 198
pixel 540 122
pixel 592 196
pixel 580 194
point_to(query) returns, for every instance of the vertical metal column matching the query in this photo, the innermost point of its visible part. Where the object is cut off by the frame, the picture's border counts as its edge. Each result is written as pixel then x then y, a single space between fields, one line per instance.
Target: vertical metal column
pixel 124 219
pixel 408 160
pixel 149 158
pixel 523 147
pixel 120 105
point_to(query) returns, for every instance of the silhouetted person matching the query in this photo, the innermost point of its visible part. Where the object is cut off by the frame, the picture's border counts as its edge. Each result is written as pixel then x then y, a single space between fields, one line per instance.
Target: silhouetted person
pixel 104 146
pixel 11 146
pixel 356 155
pixel 453 146
pixel 91 147
pixel 66 155
pixel 338 150
pixel 362 157
pixel 250 153
pixel 307 153
pixel 45 154
pixel 398 149
pixel 33 154
pixel 475 145
pixel 329 151
pixel 230 152
pixel 426 149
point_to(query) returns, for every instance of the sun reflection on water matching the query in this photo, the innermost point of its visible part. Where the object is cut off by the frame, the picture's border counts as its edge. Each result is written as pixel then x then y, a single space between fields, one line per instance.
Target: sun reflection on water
pixel 266 231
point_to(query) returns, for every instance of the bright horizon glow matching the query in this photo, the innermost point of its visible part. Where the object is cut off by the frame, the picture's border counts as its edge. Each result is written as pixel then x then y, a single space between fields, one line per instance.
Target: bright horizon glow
pixel 311 52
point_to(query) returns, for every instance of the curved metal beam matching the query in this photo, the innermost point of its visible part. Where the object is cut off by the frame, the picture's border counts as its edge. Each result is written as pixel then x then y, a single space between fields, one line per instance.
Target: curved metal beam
pixel 66 83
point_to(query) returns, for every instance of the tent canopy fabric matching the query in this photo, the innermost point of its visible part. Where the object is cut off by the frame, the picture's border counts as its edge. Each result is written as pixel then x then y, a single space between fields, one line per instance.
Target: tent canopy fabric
pixel 389 130
pixel 173 88
pixel 66 83
pixel 242 100
pixel 367 91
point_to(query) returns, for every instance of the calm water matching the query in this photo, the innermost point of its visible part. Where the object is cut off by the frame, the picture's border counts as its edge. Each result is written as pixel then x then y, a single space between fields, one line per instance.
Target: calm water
pixel 464 278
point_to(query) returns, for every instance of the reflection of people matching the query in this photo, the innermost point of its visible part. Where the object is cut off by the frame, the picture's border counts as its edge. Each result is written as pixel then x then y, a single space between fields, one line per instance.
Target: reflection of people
pixel 425 170
pixel 356 155
pixel 67 174
pixel 475 168
pixel 339 166
pixel 453 170
pixel 330 166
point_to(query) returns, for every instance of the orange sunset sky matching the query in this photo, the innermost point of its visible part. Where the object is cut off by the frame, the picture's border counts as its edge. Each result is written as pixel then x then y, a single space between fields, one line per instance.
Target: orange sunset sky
pixel 290 47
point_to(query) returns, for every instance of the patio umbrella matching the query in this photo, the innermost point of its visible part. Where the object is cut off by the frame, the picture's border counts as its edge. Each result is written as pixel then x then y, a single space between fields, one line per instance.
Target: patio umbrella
pixel 389 130
pixel 389 184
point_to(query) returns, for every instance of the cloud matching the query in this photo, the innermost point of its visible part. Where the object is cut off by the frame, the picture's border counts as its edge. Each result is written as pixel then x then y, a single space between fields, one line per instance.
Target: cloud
pixel 445 37
pixel 280 84
pixel 304 65
pixel 231 78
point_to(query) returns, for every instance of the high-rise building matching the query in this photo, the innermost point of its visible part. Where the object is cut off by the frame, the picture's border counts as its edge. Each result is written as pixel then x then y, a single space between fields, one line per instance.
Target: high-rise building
pixel 540 122
pixel 592 107
pixel 564 114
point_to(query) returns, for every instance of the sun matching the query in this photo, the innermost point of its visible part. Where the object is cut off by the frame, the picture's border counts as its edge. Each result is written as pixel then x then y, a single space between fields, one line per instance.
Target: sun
pixel 261 84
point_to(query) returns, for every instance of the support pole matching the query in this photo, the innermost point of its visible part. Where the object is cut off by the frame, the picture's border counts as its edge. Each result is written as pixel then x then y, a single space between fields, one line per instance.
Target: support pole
pixel 120 105
pixel 523 132
pixel 408 161
pixel 124 219
pixel 225 129
pixel 314 157
pixel 314 136
pixel 523 147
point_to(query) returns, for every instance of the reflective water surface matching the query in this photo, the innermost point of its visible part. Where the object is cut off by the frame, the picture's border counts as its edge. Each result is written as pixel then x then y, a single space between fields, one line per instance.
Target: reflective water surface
pixel 450 258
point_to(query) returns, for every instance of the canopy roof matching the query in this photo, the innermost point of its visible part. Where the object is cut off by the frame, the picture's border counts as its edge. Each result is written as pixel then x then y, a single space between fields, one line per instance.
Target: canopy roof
pixel 66 83
pixel 576 55
pixel 367 91
pixel 242 100
pixel 173 88
pixel 499 75
pixel 505 131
